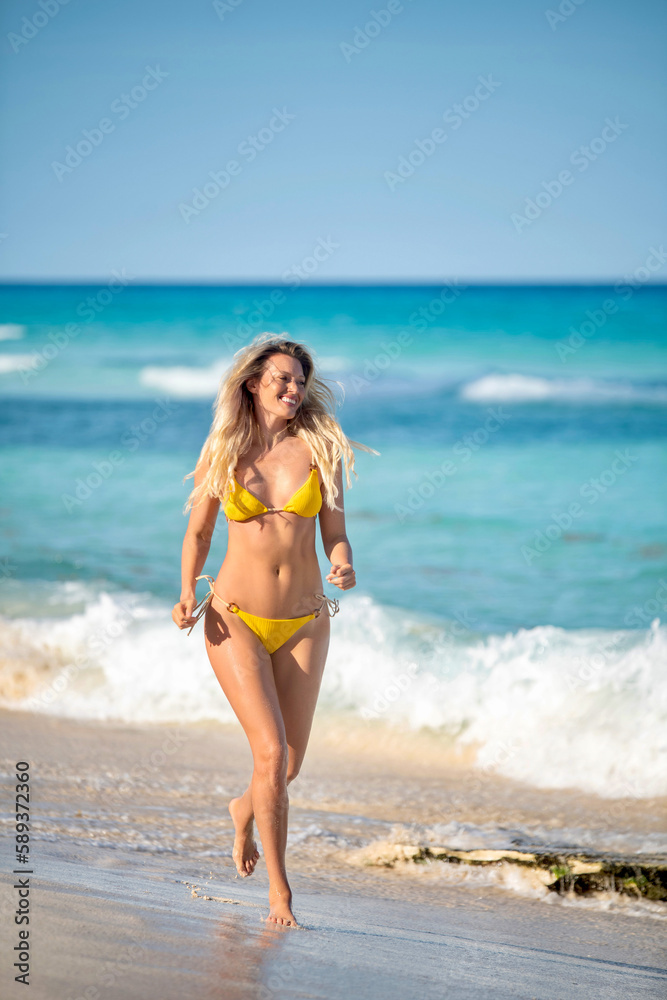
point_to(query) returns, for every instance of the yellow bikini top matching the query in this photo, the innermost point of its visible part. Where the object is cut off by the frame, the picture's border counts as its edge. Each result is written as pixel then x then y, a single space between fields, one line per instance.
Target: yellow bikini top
pixel 306 502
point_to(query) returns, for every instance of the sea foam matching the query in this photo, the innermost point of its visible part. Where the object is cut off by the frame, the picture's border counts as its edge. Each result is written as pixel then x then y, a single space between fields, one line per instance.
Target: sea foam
pixel 11 331
pixel 532 388
pixel 185 382
pixel 551 707
pixel 15 362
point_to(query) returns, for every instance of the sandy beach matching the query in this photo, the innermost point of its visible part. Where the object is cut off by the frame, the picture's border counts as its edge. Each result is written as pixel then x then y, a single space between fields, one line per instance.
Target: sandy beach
pixel 134 893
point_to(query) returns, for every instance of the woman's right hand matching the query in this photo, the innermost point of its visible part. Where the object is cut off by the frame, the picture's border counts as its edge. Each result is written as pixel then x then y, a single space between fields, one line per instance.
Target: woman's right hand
pixel 182 613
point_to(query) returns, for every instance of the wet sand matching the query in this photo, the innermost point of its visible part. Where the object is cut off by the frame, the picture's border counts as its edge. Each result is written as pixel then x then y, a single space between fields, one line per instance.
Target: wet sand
pixel 134 892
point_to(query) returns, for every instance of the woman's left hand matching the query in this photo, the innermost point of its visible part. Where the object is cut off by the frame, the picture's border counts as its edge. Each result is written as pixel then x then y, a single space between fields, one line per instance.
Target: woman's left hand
pixel 342 576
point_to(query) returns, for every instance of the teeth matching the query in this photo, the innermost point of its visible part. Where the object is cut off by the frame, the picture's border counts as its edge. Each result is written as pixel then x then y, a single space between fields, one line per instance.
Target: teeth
pixel 286 399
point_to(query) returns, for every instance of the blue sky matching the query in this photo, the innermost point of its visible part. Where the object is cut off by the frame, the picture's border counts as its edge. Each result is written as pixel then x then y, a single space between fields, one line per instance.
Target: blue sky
pixel 328 177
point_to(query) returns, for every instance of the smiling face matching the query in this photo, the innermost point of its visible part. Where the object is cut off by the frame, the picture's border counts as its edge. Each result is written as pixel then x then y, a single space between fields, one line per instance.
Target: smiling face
pixel 280 390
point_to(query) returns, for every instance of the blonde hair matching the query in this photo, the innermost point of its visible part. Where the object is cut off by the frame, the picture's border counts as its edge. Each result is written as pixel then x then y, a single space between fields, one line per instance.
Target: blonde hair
pixel 235 429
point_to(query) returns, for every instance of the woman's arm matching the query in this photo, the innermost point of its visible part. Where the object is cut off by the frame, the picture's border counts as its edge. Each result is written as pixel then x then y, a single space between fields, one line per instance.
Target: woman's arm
pixel 196 545
pixel 336 543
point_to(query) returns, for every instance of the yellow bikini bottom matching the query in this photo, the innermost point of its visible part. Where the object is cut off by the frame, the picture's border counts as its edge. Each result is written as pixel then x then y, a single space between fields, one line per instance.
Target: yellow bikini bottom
pixel 273 632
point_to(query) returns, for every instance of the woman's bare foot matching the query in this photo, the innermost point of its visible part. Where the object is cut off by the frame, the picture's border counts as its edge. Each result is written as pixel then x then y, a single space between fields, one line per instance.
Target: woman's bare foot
pixel 280 912
pixel 244 852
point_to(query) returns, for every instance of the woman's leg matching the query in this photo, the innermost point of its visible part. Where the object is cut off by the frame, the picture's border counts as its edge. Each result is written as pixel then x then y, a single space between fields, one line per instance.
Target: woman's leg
pixel 245 672
pixel 245 851
pixel 298 666
pixel 297 669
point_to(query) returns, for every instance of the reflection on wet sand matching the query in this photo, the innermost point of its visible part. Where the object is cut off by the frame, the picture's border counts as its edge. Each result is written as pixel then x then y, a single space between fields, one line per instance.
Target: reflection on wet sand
pixel 248 959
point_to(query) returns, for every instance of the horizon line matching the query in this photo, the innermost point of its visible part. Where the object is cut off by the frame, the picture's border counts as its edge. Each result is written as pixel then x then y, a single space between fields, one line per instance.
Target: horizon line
pixel 342 283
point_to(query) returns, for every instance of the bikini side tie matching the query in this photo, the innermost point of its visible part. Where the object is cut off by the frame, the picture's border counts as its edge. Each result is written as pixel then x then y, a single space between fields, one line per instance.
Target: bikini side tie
pixel 330 604
pixel 200 609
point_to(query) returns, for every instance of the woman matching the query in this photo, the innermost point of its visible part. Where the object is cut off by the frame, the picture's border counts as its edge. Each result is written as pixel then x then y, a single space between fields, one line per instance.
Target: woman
pixel 274 459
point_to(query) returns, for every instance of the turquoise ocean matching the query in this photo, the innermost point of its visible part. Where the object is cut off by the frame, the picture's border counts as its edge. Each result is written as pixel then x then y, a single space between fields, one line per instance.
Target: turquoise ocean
pixel 510 539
